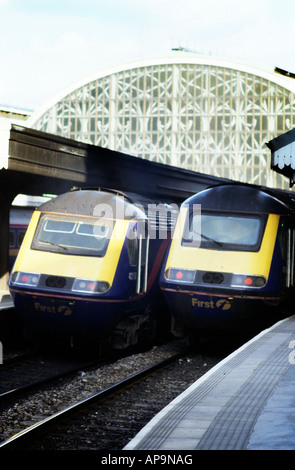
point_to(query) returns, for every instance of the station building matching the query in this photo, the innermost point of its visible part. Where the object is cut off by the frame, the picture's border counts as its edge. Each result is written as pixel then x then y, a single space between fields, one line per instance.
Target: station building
pixel 195 112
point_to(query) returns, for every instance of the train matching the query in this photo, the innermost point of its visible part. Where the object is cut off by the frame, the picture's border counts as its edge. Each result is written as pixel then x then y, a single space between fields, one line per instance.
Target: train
pixel 89 265
pixel 230 264
pixel 20 215
pixel 18 224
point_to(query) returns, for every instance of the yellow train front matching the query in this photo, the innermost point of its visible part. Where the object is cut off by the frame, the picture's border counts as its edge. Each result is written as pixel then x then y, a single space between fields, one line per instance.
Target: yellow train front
pixel 87 268
pixel 231 260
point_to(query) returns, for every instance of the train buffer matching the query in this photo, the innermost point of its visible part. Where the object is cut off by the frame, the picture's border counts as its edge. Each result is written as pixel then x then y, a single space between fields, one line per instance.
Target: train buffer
pixel 246 402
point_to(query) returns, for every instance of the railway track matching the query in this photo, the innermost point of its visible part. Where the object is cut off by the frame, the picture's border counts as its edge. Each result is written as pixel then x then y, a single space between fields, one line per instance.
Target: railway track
pixel 109 418
pixel 24 373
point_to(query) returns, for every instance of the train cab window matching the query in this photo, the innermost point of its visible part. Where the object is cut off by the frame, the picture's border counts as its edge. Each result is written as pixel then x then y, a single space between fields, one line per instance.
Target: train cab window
pixel 72 235
pixel 225 232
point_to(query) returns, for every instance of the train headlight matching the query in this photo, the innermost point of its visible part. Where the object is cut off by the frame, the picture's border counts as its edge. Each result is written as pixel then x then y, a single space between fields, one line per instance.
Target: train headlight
pixel 244 280
pixel 25 279
pixel 89 286
pixel 180 275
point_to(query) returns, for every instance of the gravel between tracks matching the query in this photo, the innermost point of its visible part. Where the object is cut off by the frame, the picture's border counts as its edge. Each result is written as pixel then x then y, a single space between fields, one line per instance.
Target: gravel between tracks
pixel 36 406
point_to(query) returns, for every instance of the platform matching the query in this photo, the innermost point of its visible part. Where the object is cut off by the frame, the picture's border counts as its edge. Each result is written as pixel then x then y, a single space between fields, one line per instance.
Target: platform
pixel 6 301
pixel 246 402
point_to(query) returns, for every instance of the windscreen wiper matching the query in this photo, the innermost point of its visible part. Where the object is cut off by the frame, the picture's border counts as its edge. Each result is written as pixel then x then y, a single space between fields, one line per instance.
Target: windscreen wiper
pixel 54 244
pixel 207 238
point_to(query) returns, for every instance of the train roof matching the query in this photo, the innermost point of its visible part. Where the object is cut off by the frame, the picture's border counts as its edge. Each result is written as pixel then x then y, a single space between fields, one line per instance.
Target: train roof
pixel 243 198
pixel 93 202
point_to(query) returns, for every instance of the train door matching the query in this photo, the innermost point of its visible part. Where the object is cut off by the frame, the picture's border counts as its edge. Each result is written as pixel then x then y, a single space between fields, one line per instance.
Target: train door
pixel 142 265
pixel 138 252
pixel 286 237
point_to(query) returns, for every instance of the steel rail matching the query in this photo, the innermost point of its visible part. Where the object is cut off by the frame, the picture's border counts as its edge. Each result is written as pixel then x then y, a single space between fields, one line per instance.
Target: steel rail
pixel 102 394
pixel 14 392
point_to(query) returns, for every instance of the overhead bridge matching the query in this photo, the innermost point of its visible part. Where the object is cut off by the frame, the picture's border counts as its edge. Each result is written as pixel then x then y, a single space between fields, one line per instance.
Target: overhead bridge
pixel 40 163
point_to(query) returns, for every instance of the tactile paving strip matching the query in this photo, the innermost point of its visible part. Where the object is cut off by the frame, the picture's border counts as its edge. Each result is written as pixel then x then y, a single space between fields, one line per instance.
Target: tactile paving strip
pixel 220 409
pixel 232 426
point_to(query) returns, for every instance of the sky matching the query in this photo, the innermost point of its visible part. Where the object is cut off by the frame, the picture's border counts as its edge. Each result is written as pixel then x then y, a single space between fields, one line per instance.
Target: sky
pixel 49 45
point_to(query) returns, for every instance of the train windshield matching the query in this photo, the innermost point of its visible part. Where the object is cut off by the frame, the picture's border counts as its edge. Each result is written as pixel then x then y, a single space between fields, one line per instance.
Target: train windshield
pixel 225 232
pixel 72 235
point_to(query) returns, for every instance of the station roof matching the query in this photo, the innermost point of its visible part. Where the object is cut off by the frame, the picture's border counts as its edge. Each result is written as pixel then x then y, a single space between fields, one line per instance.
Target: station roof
pixel 176 57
